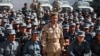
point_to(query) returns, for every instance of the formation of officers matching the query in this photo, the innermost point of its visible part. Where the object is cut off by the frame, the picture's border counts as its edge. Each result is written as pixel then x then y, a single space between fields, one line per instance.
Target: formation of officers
pixel 43 33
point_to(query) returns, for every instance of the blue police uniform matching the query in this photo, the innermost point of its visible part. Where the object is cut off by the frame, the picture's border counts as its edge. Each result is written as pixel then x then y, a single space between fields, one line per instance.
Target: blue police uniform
pixel 76 49
pixel 32 48
pixel 10 48
pixel 95 45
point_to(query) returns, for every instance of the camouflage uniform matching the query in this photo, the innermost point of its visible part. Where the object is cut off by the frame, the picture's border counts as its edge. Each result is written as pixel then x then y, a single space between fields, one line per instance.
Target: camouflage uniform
pixel 33 6
pixel 56 6
pixel 52 40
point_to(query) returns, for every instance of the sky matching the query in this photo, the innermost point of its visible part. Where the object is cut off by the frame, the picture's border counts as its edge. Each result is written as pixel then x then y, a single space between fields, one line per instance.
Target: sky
pixel 18 4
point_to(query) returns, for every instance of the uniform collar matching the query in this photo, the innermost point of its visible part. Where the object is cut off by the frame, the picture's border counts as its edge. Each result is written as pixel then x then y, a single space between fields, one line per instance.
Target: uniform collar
pixel 34 41
pixel 13 42
pixel 56 25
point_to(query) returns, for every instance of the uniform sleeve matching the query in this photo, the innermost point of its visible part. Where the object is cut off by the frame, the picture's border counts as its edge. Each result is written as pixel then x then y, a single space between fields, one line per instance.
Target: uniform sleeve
pixel 61 37
pixel 92 48
pixel 87 50
pixel 19 50
pixel 1 50
pixel 43 39
pixel 70 49
pixel 24 51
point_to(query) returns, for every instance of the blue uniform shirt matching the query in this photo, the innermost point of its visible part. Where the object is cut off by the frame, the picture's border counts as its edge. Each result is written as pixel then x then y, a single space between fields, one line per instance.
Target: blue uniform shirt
pixel 32 48
pixel 10 49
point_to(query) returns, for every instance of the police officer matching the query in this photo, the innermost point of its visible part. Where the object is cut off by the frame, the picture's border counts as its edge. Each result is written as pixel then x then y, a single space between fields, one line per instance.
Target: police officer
pixel 29 30
pixel 28 20
pixel 11 20
pixel 95 44
pixel 70 20
pixel 35 25
pixel 97 22
pixel 56 6
pixel 46 16
pixel 10 47
pixel 12 14
pixel 79 47
pixel 16 25
pixel 34 5
pixel 91 30
pixel 77 26
pixel 42 23
pixel 65 30
pixel 8 28
pixel 52 37
pixel 1 36
pixel 2 23
pixel 65 20
pixel 32 47
pixel 25 10
pixel 23 36
pixel 72 33
pixel 40 12
pixel 88 36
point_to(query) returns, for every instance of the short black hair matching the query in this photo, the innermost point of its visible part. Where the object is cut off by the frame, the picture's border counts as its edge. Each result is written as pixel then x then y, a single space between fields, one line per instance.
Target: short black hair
pixel 53 14
pixel 25 3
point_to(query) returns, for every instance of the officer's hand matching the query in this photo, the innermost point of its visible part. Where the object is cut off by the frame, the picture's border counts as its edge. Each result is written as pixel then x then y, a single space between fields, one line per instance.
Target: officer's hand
pixel 44 51
pixel 62 49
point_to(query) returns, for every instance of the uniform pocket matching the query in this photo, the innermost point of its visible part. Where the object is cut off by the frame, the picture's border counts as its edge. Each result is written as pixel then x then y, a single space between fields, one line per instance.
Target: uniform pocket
pixel 30 50
pixel 7 51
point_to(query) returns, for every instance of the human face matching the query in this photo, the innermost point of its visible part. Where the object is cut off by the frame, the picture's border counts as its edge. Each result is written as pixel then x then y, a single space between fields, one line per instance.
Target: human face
pixel 29 29
pixel 23 29
pixel 98 37
pixel 86 30
pixel 34 36
pixel 12 37
pixel 54 19
pixel 72 28
pixel 34 27
pixel 77 26
pixel 16 26
pixel 91 28
pixel 28 20
pixel 80 39
pixel 67 42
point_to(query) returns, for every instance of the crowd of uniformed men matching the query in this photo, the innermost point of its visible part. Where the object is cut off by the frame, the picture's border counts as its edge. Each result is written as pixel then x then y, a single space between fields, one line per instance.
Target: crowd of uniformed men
pixel 39 32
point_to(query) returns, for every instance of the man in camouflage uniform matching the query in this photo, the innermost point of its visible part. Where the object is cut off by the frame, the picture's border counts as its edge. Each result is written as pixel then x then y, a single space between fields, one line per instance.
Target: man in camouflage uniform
pixel 56 6
pixel 34 5
pixel 40 12
pixel 52 37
